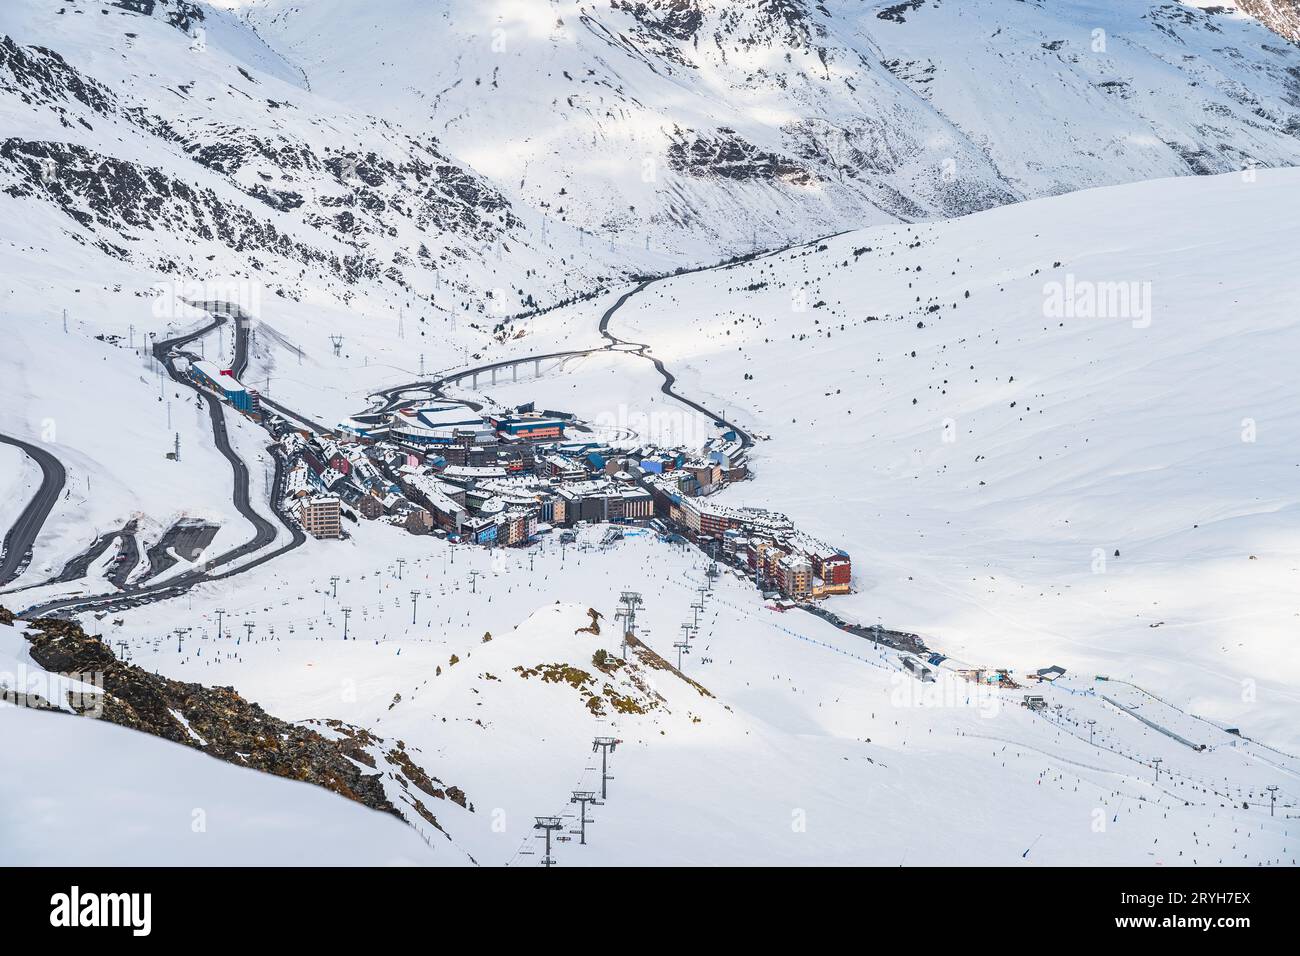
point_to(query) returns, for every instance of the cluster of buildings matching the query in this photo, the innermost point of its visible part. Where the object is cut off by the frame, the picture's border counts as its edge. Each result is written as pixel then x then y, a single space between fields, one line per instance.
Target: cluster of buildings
pixel 506 477
pixel 764 544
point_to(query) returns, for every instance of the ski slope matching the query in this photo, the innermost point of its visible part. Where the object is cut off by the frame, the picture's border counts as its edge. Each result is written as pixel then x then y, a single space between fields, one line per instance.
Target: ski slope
pixel 90 793
pixel 796 743
pixel 983 458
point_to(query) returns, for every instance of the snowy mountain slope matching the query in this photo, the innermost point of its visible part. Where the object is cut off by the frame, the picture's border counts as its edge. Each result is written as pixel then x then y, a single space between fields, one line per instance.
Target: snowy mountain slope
pixel 1021 483
pixel 100 408
pixel 791 742
pixel 984 411
pixel 765 122
pixel 551 144
pixel 201 156
pixel 1115 92
pixel 90 792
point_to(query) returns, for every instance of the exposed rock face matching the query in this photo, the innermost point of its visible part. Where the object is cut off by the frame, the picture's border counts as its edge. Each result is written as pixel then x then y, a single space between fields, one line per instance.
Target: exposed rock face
pixel 218 721
pixel 898 12
pixel 666 19
pixel 181 14
pixel 1280 16
pixel 727 155
pixel 348 211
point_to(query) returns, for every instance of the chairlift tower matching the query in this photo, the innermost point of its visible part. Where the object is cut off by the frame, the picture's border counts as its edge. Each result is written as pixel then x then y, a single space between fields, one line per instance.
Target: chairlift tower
pixel 548 825
pixel 629 601
pixel 582 798
pixel 682 648
pixel 605 745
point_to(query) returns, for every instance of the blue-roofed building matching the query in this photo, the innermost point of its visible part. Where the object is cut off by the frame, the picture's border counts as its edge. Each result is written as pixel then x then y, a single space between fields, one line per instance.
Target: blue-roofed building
pixel 222 381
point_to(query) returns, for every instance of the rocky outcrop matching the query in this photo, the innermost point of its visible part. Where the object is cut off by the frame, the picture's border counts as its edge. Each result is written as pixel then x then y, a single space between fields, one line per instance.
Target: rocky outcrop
pixel 221 723
pixel 725 154
pixel 347 211
pixel 1280 16
pixel 665 19
pixel 180 14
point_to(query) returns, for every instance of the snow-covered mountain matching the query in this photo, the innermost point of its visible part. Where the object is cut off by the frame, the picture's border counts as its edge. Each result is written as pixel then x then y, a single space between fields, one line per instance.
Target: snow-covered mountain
pixel 1061 427
pixel 1017 335
pixel 1280 16
pixel 769 121
pixel 478 158
pixel 168 135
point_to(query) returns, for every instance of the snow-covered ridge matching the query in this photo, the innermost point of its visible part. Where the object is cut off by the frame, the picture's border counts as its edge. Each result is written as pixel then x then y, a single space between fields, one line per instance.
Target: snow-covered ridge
pixel 194 153
pixel 761 122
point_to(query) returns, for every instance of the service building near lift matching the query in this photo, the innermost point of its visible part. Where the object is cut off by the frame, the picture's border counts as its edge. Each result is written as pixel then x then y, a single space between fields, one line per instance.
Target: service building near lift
pixel 224 383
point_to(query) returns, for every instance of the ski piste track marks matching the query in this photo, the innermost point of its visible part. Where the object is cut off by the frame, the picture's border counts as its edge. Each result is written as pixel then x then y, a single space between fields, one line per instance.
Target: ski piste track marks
pixel 21 537
pixel 264 531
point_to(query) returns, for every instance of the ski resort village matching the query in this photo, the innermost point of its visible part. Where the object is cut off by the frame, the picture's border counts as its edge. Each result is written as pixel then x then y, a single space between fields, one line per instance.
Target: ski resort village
pixel 544 433
pixel 506 478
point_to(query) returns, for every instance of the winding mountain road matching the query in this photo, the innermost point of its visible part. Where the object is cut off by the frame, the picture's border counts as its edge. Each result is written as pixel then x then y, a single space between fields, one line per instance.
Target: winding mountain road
pixel 19 540
pixel 22 536
pixel 395 397
pixel 264 531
